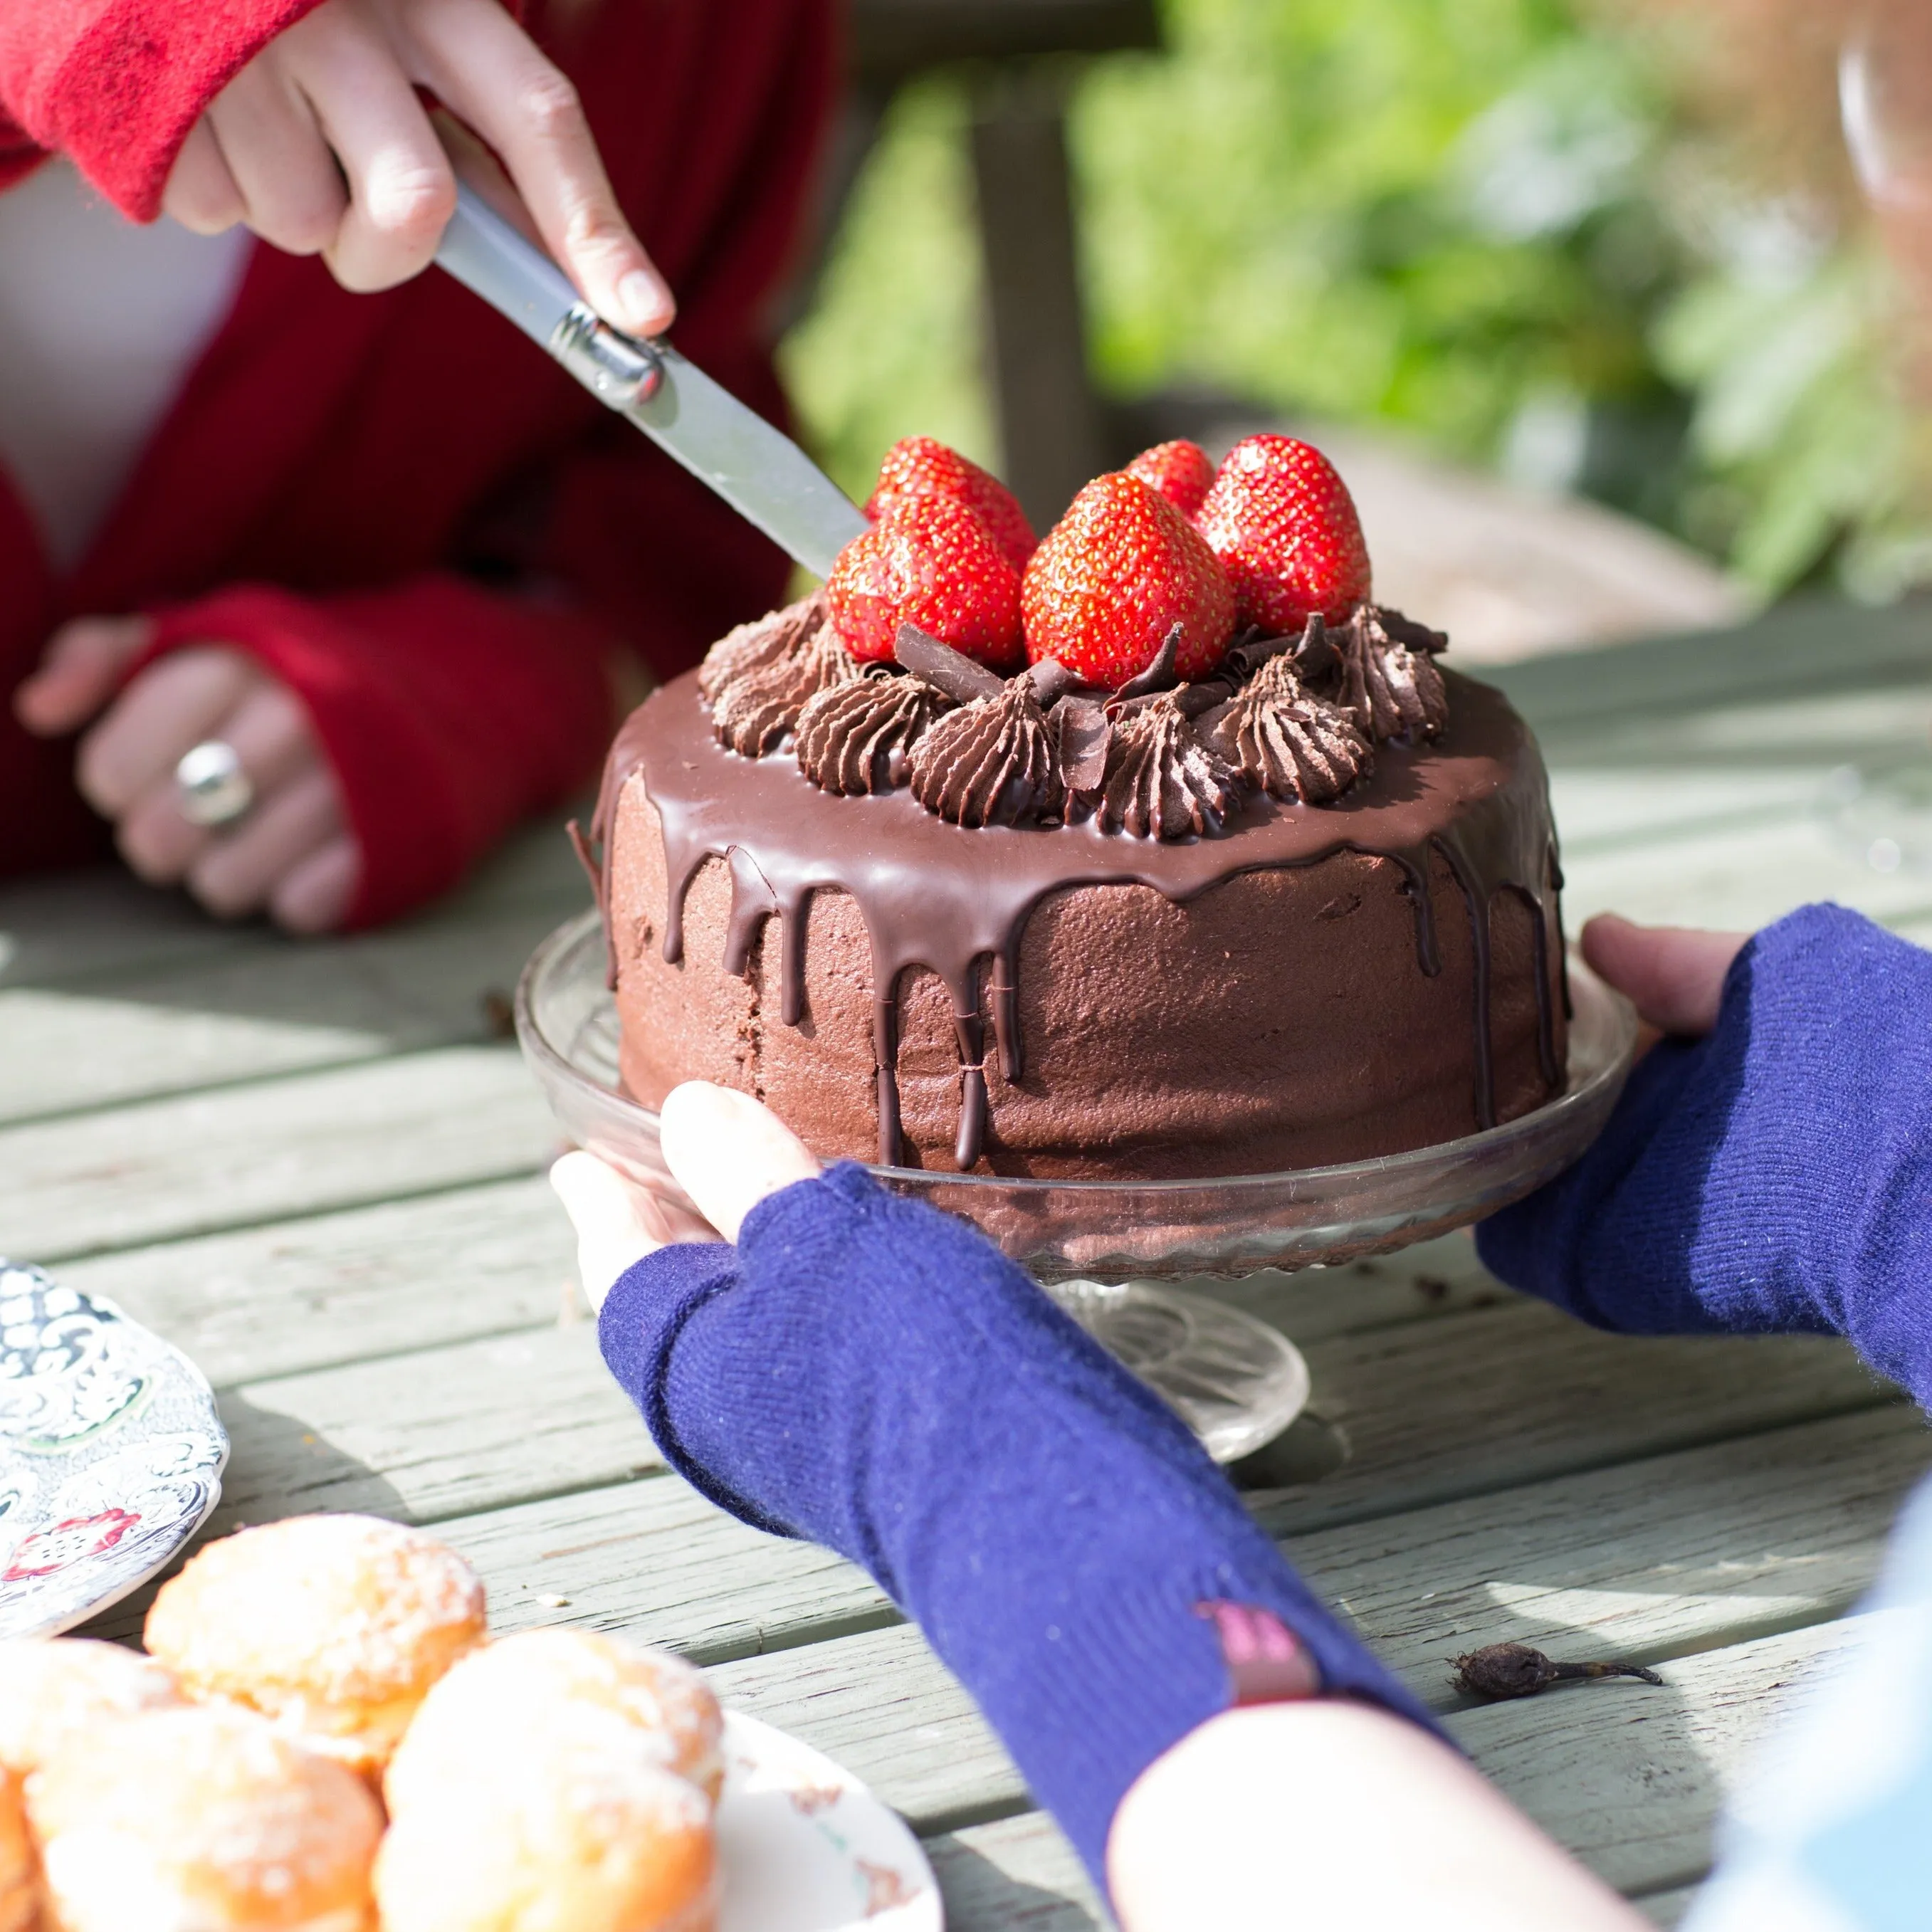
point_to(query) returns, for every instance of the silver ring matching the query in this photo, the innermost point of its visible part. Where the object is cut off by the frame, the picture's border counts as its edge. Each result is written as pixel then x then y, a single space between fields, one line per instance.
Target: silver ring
pixel 211 786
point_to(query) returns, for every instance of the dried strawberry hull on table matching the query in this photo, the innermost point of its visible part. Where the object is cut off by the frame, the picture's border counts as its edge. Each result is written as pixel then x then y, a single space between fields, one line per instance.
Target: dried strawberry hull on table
pixel 1150 887
pixel 431 534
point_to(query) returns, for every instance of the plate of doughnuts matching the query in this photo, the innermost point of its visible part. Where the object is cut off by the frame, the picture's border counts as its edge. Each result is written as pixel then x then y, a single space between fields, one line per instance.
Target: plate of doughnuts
pixel 111 1453
pixel 324 1736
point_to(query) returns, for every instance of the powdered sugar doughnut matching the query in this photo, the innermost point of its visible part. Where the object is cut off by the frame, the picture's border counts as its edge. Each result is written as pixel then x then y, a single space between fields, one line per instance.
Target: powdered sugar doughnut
pixel 20 1870
pixel 201 1819
pixel 575 1826
pixel 516 1684
pixel 332 1627
pixel 54 1688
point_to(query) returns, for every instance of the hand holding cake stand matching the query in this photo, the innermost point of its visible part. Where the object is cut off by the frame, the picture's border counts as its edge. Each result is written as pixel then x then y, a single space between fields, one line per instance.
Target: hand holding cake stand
pixel 1108 1251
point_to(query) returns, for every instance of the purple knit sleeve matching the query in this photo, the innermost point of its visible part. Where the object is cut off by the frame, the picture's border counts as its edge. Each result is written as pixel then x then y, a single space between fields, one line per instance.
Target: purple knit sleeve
pixel 1774 1177
pixel 876 1376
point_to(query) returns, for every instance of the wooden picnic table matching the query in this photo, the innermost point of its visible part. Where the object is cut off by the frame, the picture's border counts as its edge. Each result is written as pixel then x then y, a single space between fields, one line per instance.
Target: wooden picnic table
pixel 318 1168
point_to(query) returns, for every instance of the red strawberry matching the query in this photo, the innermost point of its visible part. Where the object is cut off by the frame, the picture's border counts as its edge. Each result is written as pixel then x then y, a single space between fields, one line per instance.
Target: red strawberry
pixel 1115 574
pixel 1181 471
pixel 930 561
pixel 917 465
pixel 1284 525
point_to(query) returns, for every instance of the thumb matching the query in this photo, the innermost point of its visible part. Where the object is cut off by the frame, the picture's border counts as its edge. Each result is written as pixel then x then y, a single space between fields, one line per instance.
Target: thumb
pixel 1674 976
pixel 728 1152
pixel 617 1223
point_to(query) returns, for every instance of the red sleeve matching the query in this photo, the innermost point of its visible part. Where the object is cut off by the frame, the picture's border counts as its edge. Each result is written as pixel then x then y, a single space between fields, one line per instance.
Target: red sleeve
pixel 447 712
pixel 117 84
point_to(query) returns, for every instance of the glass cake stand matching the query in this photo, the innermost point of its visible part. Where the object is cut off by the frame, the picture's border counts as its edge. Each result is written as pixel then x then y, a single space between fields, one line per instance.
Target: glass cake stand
pixel 1107 1250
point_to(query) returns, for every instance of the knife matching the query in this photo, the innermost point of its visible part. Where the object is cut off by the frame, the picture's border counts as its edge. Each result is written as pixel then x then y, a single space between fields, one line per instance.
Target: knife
pixel 763 475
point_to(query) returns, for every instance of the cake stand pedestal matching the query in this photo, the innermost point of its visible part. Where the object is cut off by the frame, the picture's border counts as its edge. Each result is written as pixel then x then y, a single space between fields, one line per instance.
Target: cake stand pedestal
pixel 1108 1251
pixel 1235 1382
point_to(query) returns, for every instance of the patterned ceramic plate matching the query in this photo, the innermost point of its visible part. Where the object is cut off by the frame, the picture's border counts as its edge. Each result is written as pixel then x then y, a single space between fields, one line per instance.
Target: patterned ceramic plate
pixel 805 1847
pixel 111 1453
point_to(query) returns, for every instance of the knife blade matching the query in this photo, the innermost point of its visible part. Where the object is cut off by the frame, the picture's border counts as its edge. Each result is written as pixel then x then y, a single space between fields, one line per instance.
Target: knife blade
pixel 758 470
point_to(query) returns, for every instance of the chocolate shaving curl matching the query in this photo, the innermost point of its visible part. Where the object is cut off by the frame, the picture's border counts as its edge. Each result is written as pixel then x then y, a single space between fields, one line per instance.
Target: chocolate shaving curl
pixel 1158 676
pixel 772 639
pixel 962 678
pixel 991 763
pixel 1406 631
pixel 1162 779
pixel 1081 736
pixel 1051 681
pixel 855 737
pixel 1286 742
pixel 756 702
pixel 1393 688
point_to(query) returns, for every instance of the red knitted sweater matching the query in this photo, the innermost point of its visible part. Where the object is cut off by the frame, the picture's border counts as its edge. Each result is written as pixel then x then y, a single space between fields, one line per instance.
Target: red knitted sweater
pixel 395 502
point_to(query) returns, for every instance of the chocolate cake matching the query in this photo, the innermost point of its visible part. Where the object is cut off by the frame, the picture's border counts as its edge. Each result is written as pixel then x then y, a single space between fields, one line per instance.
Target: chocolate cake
pixel 1299 912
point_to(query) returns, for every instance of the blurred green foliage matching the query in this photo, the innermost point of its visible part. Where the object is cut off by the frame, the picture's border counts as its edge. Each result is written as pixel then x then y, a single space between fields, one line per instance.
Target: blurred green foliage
pixel 1483 224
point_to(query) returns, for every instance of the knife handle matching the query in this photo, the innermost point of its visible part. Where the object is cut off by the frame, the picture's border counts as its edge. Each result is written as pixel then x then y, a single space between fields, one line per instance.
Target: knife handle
pixel 490 257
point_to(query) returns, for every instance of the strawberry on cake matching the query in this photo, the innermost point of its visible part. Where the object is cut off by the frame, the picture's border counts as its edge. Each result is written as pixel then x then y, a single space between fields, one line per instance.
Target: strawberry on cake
pixel 1155 849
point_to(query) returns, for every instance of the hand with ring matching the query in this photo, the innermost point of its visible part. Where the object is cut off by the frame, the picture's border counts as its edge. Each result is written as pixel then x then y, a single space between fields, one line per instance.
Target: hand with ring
pixel 208 767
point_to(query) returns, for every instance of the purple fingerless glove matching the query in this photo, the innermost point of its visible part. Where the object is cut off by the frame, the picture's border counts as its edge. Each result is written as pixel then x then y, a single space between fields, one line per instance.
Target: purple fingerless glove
pixel 1774 1176
pixel 873 1375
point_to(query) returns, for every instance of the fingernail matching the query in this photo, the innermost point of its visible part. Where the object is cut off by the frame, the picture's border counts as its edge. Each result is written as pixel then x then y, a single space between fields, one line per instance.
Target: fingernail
pixel 645 301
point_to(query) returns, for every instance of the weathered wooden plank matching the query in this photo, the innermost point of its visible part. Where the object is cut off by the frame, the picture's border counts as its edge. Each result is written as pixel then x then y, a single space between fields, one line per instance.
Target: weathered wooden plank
pixel 1742 877
pixel 367 1282
pixel 433 1433
pixel 245 1012
pixel 1806 644
pixel 103 918
pixel 1650 779
pixel 1435 1412
pixel 415 1419
pixel 1647 1559
pixel 536 864
pixel 162 1169
pixel 79 924
pixel 1632 1783
pixel 1432 1279
pixel 1015 1875
pixel 882 1704
pixel 654 1559
pixel 345 1287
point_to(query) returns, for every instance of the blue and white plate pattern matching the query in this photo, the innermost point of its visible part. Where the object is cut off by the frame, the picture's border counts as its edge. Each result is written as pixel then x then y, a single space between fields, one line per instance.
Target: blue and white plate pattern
pixel 111 1453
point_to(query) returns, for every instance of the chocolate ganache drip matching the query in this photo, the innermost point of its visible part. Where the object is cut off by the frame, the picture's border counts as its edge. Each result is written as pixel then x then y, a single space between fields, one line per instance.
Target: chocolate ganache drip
pixel 992 762
pixel 1162 779
pixel 855 737
pixel 1285 742
pixel 1389 678
pixel 759 689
